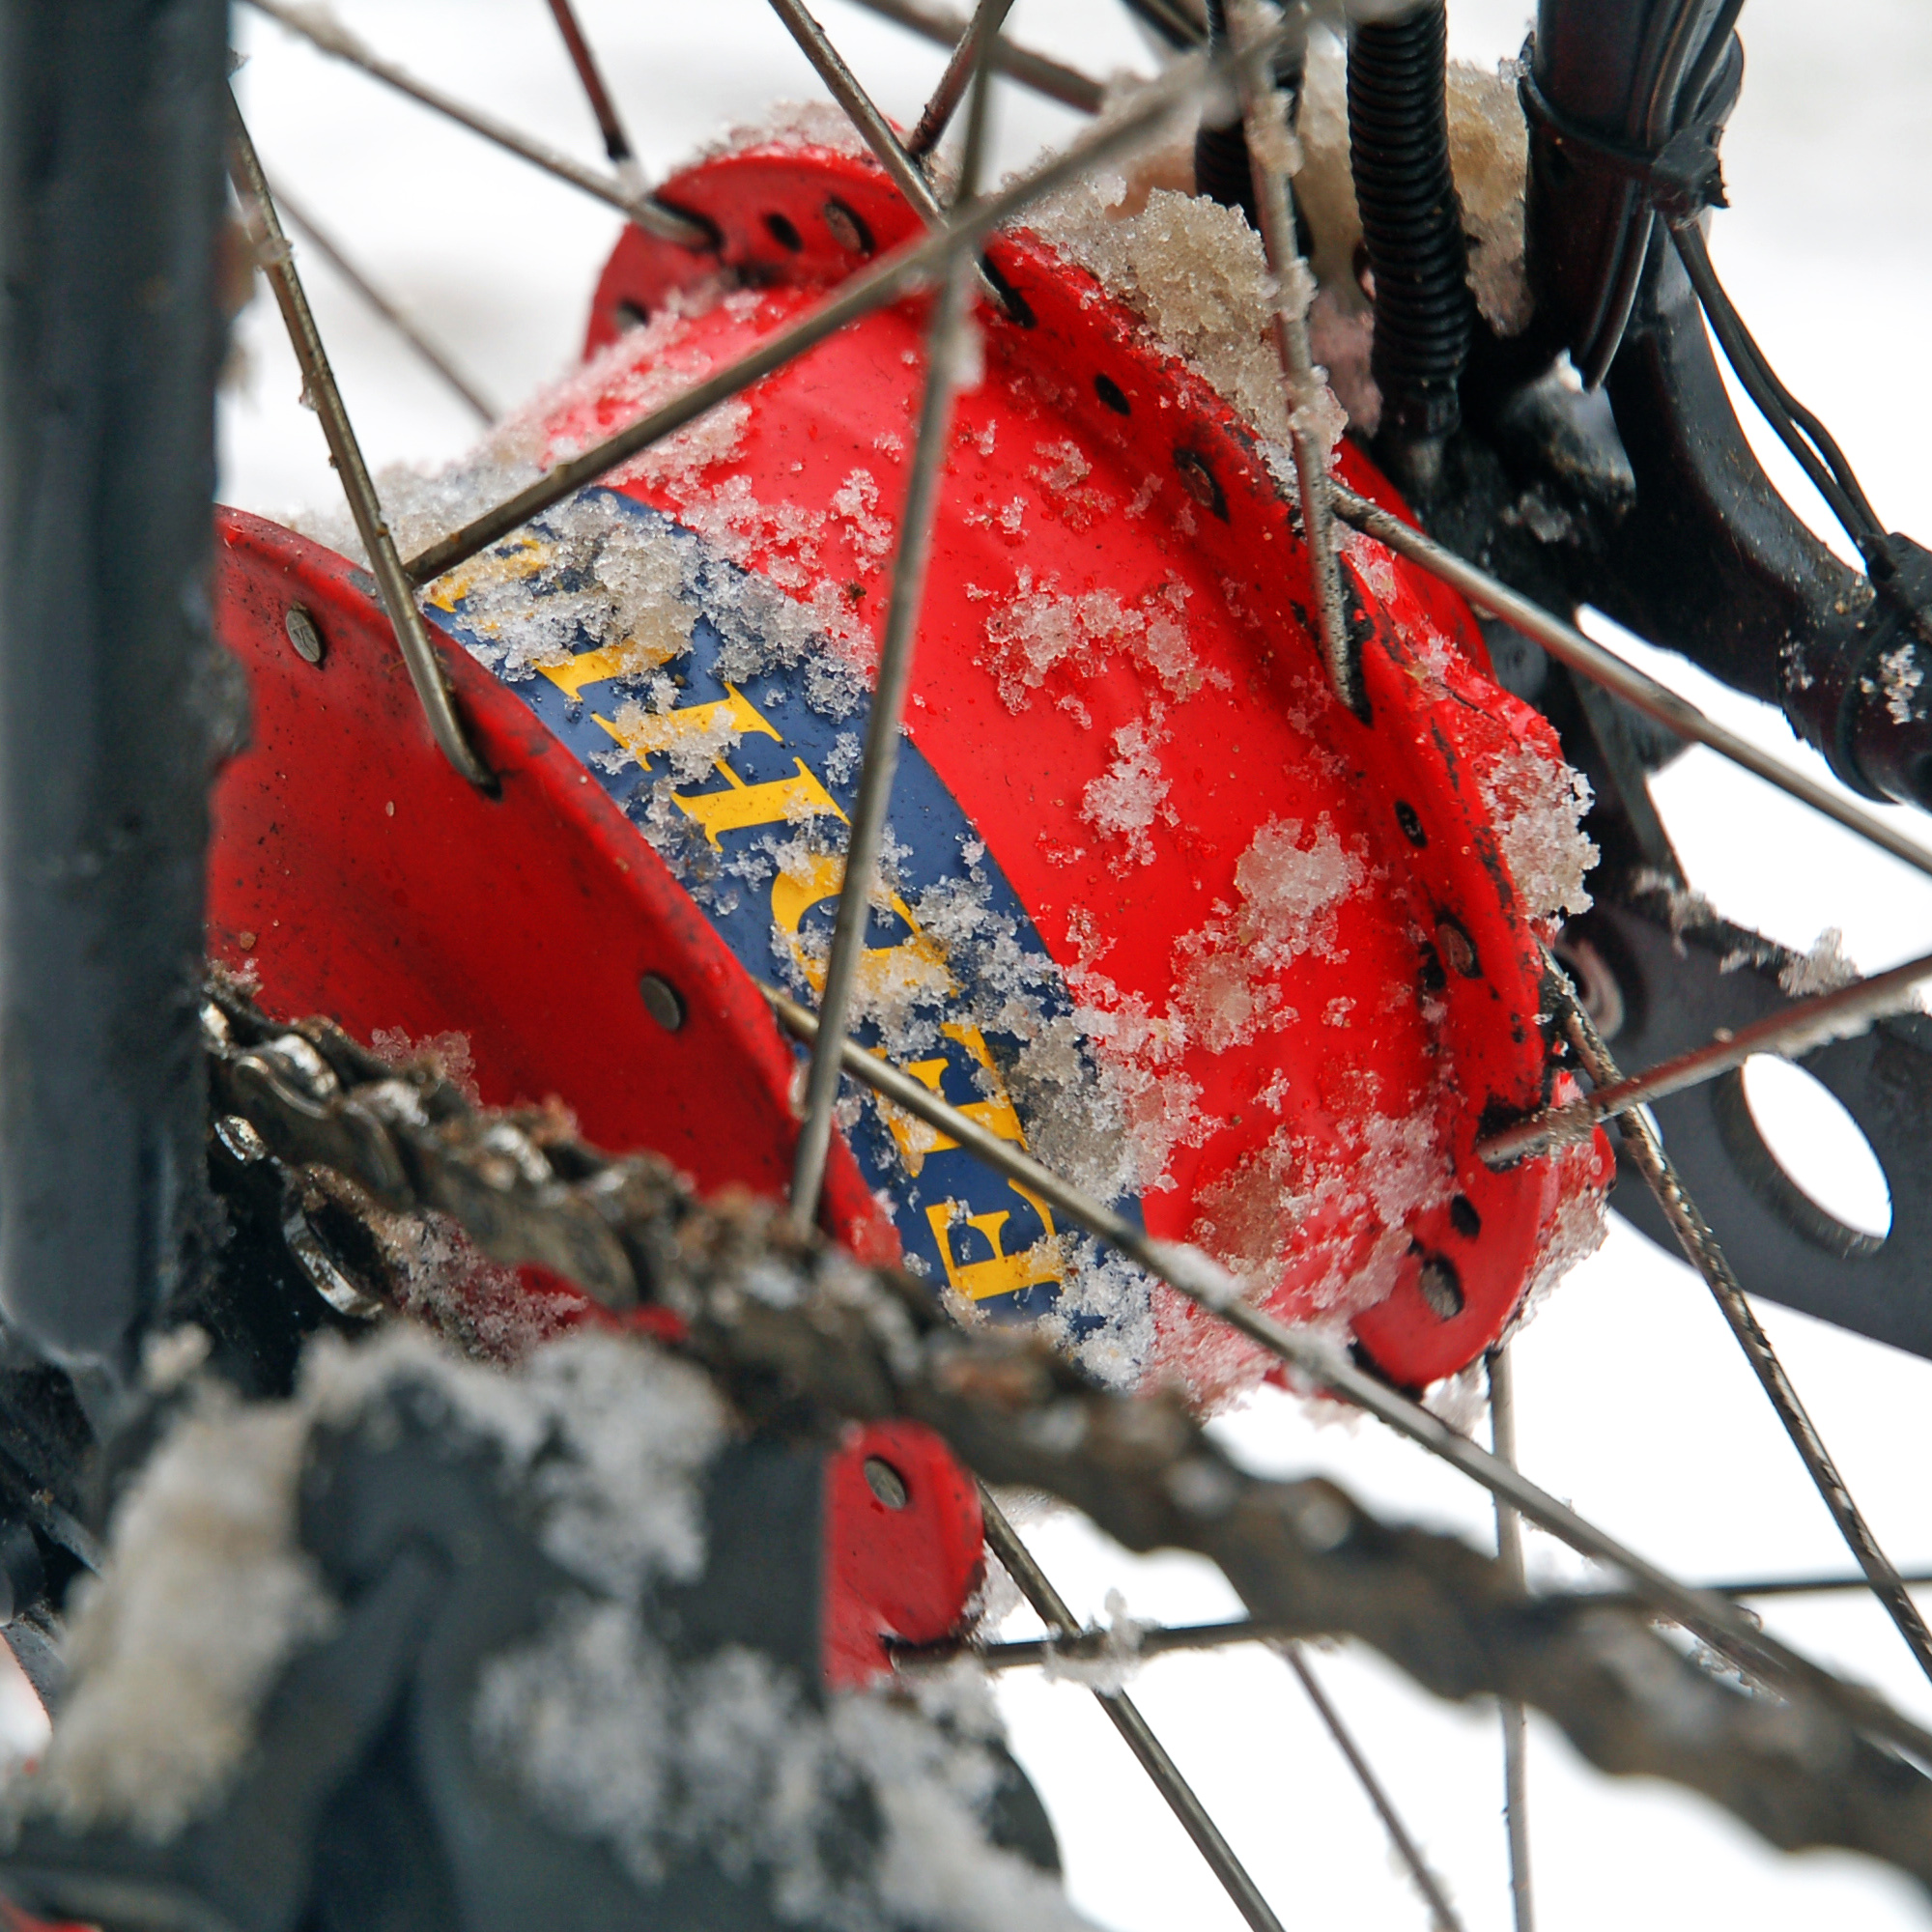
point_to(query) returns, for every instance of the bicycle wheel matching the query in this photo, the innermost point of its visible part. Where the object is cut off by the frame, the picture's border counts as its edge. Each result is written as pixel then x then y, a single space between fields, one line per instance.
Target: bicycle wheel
pixel 1699 1558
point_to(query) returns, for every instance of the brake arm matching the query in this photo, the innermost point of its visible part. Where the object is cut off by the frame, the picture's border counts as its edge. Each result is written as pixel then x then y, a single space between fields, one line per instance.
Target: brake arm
pixel 1708 559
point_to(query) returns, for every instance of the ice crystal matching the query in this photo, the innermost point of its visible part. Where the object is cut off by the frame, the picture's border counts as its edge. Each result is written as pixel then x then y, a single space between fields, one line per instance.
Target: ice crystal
pixel 1536 805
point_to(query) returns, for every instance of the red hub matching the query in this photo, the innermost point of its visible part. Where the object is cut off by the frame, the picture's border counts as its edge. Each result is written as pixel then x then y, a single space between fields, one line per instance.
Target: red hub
pixel 1160 906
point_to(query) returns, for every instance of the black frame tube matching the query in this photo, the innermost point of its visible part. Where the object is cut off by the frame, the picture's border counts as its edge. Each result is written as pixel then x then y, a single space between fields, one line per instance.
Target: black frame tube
pixel 114 698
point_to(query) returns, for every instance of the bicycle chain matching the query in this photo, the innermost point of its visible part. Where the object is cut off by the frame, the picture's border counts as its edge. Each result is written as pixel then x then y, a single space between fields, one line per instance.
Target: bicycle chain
pixel 802 1337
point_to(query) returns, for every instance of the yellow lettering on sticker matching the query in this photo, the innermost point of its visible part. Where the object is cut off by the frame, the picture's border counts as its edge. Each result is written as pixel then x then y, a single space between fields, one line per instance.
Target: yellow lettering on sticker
pixel 531 555
pixel 780 802
pixel 649 735
pixel 915 965
pixel 886 973
pixel 663 627
pixel 1003 1273
pixel 809 878
pixel 917 1138
pixel 631 658
pixel 996 1112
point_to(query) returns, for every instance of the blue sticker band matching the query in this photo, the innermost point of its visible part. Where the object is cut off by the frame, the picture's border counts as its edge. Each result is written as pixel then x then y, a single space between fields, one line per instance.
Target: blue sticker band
pixel 755 833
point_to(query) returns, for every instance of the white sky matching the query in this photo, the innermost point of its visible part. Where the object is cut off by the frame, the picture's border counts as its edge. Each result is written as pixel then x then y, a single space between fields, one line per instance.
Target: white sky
pixel 1634 1402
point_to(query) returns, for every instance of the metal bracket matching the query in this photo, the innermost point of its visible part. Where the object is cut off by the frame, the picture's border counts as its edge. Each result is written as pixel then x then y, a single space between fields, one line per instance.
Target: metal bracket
pixel 1680 974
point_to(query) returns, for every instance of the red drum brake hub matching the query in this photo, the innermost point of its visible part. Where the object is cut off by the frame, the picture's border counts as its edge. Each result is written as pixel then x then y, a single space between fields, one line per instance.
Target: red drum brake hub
pixel 1158 906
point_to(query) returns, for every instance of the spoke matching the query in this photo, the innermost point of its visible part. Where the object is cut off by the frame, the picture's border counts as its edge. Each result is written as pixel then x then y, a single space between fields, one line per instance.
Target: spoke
pixel 859 109
pixel 318 386
pixel 1204 1283
pixel 304 224
pixel 1264 113
pixel 864 113
pixel 1179 26
pixel 332 38
pixel 617 146
pixel 1050 1607
pixel 1048 77
pixel 1516 1729
pixel 1700 1247
pixel 951 88
pixel 1568 645
pixel 892 276
pixel 1093 1646
pixel 880 762
pixel 1405 1847
pixel 1809 1023
pixel 1814 1587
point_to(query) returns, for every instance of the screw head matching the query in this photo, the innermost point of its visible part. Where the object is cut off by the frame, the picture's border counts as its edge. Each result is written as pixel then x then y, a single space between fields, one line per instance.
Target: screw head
pixel 662 1000
pixel 304 635
pixel 848 229
pixel 1441 1287
pixel 1200 482
pixel 886 1483
pixel 1453 941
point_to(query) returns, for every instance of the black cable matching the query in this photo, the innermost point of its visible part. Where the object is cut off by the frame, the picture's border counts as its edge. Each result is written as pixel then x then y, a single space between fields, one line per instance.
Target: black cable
pixel 1820 458
pixel 1798 427
pixel 1691 92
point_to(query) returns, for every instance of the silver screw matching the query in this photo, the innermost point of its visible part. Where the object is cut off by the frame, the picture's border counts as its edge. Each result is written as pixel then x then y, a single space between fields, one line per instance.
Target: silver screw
pixel 662 1000
pixel 1441 1288
pixel 885 1482
pixel 304 635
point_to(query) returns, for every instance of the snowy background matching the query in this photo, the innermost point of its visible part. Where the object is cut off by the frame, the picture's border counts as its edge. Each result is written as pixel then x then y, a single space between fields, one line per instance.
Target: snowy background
pixel 1634 1402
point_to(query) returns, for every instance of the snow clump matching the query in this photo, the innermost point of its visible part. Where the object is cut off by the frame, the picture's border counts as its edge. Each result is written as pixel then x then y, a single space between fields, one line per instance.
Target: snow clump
pixel 1536 805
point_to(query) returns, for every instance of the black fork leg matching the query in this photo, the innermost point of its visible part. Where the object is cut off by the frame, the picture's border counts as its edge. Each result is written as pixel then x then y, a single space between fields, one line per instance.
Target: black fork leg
pixel 112 699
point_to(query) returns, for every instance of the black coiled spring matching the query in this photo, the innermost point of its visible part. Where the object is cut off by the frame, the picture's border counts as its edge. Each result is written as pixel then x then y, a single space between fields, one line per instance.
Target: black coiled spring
pixel 1411 225
pixel 1222 169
